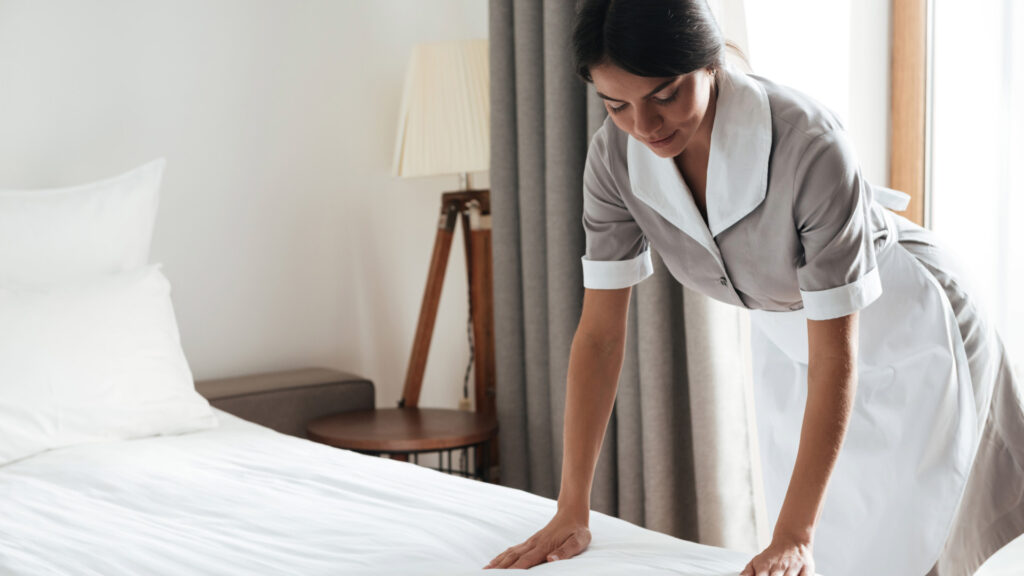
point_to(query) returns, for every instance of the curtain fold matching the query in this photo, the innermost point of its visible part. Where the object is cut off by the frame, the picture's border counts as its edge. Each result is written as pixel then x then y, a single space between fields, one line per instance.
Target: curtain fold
pixel 678 455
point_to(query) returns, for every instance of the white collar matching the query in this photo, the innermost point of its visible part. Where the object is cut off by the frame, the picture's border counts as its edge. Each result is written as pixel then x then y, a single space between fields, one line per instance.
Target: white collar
pixel 737 181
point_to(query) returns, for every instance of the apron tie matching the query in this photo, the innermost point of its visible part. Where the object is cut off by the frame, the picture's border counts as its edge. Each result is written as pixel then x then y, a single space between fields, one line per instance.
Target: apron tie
pixel 893 200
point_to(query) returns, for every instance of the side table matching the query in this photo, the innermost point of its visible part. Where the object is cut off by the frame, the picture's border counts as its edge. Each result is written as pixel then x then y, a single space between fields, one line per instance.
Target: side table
pixel 404 432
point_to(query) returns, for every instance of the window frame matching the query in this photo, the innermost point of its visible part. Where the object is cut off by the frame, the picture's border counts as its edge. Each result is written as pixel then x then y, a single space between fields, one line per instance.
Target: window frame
pixel 910 108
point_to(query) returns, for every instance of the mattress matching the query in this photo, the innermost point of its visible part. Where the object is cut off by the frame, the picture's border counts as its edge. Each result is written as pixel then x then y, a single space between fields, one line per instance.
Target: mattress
pixel 243 499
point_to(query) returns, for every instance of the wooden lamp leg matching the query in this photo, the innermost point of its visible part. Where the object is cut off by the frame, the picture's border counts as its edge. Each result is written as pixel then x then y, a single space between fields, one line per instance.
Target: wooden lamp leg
pixel 428 310
pixel 474 208
pixel 482 301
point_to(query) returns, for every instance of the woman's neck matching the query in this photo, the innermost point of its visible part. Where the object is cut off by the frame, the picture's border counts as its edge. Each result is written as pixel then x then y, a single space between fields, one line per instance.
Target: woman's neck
pixel 693 161
pixel 698 149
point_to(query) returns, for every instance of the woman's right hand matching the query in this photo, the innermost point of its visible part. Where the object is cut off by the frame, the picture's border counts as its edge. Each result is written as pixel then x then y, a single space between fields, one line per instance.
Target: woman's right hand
pixel 566 535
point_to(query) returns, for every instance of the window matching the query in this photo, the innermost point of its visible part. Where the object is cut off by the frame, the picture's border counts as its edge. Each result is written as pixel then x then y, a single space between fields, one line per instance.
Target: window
pixel 977 154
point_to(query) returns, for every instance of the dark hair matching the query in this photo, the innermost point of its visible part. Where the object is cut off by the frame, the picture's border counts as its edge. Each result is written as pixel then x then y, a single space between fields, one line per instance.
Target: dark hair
pixel 656 38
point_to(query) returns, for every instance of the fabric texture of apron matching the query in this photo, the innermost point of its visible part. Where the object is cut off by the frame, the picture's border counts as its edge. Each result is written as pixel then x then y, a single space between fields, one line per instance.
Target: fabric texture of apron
pixel 913 431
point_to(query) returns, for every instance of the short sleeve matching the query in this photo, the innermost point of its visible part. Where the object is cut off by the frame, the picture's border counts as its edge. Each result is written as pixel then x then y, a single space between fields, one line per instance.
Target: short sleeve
pixel 617 252
pixel 838 272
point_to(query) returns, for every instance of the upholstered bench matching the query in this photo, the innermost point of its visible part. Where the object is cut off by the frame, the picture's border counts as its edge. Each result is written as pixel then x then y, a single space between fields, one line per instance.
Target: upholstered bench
pixel 285 401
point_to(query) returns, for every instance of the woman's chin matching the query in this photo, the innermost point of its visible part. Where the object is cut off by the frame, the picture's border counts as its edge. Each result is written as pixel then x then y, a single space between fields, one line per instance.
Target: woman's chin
pixel 666 151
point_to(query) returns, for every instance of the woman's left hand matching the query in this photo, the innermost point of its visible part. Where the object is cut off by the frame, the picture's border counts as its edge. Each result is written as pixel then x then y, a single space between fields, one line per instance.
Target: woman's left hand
pixel 784 557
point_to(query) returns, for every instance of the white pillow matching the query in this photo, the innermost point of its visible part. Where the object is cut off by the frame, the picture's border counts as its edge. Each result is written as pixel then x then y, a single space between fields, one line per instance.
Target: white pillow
pixel 55 234
pixel 93 359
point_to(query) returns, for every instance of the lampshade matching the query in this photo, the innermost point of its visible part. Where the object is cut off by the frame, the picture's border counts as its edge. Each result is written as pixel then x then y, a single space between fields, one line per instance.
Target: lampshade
pixel 444 122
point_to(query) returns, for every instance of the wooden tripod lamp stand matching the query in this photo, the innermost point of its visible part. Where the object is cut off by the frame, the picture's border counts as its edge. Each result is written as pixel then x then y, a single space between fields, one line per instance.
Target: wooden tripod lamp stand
pixel 472 208
pixel 444 128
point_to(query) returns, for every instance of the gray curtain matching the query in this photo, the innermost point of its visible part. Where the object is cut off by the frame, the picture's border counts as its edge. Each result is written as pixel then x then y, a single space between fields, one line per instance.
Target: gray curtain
pixel 678 455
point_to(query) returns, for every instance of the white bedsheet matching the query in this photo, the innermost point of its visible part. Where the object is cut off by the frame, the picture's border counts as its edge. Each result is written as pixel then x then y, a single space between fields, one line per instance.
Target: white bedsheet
pixel 243 499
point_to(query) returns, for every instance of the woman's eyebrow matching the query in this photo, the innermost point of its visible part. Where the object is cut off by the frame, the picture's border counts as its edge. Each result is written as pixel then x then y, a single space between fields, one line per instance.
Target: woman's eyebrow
pixel 649 94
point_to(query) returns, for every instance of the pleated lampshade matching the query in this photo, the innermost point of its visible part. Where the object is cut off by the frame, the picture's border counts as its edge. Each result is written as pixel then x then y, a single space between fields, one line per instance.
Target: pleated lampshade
pixel 444 122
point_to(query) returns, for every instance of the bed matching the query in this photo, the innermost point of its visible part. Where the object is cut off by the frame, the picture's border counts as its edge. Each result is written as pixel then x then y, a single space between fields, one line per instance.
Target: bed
pixel 111 462
pixel 241 498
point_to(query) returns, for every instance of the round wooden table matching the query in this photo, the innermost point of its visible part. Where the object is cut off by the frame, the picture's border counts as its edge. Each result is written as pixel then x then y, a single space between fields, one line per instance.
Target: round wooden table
pixel 400 432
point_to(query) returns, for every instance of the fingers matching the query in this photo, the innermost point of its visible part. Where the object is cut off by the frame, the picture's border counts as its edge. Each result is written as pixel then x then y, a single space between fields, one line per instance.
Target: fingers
pixel 506 558
pixel 571 547
pixel 776 568
pixel 494 561
pixel 758 567
pixel 499 560
pixel 529 558
pixel 524 555
pixel 536 551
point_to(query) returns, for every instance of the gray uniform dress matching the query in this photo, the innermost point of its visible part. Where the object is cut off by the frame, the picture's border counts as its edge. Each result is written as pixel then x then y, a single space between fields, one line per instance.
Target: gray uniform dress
pixel 930 476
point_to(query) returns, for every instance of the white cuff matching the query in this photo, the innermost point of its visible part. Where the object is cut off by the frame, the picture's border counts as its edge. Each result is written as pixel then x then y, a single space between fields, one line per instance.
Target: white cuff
pixel 614 274
pixel 842 300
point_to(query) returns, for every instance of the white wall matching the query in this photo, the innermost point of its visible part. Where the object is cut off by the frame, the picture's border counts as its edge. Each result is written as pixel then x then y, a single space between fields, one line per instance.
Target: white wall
pixel 286 241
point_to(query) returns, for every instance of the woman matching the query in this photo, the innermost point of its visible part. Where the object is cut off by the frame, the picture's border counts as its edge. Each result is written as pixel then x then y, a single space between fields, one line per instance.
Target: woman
pixel 878 384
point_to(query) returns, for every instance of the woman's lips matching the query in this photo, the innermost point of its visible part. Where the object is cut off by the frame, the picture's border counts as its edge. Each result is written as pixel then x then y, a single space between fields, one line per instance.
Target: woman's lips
pixel 664 141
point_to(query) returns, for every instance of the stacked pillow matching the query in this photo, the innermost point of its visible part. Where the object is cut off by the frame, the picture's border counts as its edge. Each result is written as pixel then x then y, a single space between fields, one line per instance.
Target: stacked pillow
pixel 89 346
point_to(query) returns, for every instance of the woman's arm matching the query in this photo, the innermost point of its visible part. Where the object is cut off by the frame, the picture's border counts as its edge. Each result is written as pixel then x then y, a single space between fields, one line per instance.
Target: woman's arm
pixel 595 361
pixel 831 385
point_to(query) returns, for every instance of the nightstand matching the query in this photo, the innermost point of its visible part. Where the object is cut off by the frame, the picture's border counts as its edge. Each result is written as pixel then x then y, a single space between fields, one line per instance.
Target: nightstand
pixel 404 432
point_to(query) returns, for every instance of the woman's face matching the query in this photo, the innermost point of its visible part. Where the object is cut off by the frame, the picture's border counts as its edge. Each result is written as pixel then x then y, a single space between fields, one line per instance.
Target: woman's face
pixel 663 113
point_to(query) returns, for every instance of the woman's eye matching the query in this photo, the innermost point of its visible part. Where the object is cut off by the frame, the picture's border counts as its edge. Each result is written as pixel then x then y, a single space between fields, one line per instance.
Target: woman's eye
pixel 664 100
pixel 667 99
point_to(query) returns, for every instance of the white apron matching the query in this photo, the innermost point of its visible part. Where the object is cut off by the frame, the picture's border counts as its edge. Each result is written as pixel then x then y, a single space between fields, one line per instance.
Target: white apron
pixel 913 431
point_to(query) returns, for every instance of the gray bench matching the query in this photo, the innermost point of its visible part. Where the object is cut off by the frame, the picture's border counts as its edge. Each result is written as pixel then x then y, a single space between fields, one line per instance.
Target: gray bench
pixel 285 401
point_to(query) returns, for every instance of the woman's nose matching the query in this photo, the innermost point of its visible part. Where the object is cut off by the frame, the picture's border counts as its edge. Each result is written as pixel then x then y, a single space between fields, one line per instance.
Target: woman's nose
pixel 646 124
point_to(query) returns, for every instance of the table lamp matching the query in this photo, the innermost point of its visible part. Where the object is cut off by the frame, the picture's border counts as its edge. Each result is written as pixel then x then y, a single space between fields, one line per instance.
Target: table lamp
pixel 444 128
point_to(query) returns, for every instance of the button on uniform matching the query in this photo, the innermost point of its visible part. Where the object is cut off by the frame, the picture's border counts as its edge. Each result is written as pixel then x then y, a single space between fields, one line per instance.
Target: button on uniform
pixel 723 281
